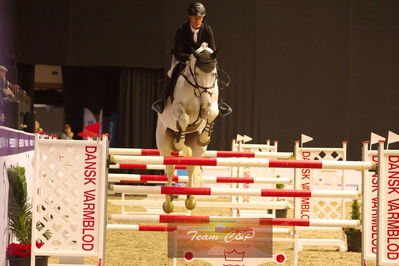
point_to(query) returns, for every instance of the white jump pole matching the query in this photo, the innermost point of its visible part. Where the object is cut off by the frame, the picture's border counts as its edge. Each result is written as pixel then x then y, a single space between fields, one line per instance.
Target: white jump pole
pixel 163 228
pixel 253 146
pixel 245 162
pixel 152 152
pixel 233 191
pixel 132 178
pixel 204 204
pixel 182 219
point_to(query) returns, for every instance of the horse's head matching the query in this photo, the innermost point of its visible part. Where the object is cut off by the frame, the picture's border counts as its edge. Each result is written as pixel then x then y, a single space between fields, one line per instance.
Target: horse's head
pixel 205 58
pixel 203 67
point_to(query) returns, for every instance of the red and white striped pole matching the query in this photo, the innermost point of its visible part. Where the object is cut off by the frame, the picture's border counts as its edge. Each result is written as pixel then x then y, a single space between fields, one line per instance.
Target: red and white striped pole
pixel 273 204
pixel 244 162
pixel 183 219
pixel 155 152
pixel 169 228
pixel 162 167
pixel 255 192
pixel 132 178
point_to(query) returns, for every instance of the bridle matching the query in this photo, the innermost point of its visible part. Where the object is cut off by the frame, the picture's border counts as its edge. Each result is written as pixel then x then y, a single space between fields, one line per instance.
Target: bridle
pixel 198 89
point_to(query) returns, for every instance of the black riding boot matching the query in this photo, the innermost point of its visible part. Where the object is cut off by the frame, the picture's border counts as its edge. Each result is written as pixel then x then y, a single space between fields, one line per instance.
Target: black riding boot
pixel 159 105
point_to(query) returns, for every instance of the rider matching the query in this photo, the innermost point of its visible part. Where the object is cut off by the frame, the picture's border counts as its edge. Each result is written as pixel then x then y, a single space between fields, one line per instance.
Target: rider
pixel 190 35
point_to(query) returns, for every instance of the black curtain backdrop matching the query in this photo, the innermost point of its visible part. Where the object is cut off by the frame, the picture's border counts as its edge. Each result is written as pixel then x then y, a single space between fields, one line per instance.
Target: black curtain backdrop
pixel 324 68
pixel 136 122
pixel 26 80
pixel 95 88
pixel 7 36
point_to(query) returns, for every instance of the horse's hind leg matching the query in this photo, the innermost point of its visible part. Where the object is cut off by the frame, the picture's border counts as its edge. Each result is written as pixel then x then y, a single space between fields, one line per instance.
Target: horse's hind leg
pixel 194 171
pixel 168 205
pixel 164 139
pixel 190 201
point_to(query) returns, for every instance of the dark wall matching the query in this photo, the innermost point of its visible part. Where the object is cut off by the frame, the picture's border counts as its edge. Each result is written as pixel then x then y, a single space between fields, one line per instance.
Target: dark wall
pixel 7 31
pixel 95 88
pixel 324 68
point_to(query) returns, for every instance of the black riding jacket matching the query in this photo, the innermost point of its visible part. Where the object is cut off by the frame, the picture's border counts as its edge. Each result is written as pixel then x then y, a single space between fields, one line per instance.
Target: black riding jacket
pixel 184 40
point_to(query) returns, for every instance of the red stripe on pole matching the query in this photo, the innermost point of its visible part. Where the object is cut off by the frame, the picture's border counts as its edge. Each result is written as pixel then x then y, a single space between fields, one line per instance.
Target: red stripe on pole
pixel 145 152
pixel 284 222
pixel 144 166
pixel 247 180
pixel 132 166
pixel 183 219
pixel 158 178
pixel 132 181
pixel 186 190
pixel 295 164
pixel 153 178
pixel 285 193
pixel 189 161
pixel 235 154
pixel 155 152
pixel 157 228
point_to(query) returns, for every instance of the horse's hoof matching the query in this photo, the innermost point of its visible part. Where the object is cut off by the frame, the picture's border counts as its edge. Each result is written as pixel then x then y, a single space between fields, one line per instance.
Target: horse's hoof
pixel 168 206
pixel 190 202
pixel 169 198
pixel 178 146
pixel 205 142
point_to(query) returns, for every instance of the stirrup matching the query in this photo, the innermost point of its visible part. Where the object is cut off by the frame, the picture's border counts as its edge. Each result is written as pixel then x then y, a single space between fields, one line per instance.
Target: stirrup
pixel 224 109
pixel 157 106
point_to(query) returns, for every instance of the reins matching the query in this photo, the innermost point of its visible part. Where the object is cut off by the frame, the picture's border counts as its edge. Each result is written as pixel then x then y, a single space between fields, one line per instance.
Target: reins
pixel 197 87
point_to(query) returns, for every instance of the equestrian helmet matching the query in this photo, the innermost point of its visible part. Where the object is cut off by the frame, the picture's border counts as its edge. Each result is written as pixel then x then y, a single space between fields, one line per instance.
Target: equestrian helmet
pixel 196 9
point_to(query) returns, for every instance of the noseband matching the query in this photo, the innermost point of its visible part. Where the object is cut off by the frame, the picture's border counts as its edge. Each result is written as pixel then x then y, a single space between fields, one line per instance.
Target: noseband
pixel 198 89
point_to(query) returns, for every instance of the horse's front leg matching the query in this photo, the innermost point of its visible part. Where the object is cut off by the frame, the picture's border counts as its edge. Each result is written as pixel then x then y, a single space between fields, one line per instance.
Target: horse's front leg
pixel 209 114
pixel 181 124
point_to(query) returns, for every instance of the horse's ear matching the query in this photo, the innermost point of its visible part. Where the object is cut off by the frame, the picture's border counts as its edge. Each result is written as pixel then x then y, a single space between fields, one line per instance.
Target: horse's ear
pixel 194 53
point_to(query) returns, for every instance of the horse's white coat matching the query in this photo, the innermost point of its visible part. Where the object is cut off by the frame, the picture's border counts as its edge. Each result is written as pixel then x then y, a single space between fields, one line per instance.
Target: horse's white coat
pixel 191 113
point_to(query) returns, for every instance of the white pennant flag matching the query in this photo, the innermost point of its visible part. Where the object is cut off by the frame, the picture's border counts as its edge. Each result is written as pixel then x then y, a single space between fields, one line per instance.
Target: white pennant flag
pixel 374 138
pixel 239 138
pixel 392 137
pixel 305 138
pixel 247 138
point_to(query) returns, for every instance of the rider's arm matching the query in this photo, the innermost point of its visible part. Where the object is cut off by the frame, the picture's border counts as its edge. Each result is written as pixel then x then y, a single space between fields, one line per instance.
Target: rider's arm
pixel 211 39
pixel 179 44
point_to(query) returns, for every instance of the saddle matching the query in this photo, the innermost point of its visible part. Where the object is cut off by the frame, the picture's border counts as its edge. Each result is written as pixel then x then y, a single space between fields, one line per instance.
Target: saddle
pixel 169 87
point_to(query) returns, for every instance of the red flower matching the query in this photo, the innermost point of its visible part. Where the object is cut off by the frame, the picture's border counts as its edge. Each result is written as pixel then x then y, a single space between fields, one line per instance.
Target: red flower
pixel 21 250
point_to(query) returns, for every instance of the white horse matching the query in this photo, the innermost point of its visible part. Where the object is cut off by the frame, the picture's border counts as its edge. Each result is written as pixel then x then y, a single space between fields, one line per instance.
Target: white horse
pixel 187 120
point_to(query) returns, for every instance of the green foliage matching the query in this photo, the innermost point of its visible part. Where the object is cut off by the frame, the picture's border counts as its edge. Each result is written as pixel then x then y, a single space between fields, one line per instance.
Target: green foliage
pixel 355 215
pixel 279 186
pixel 19 208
